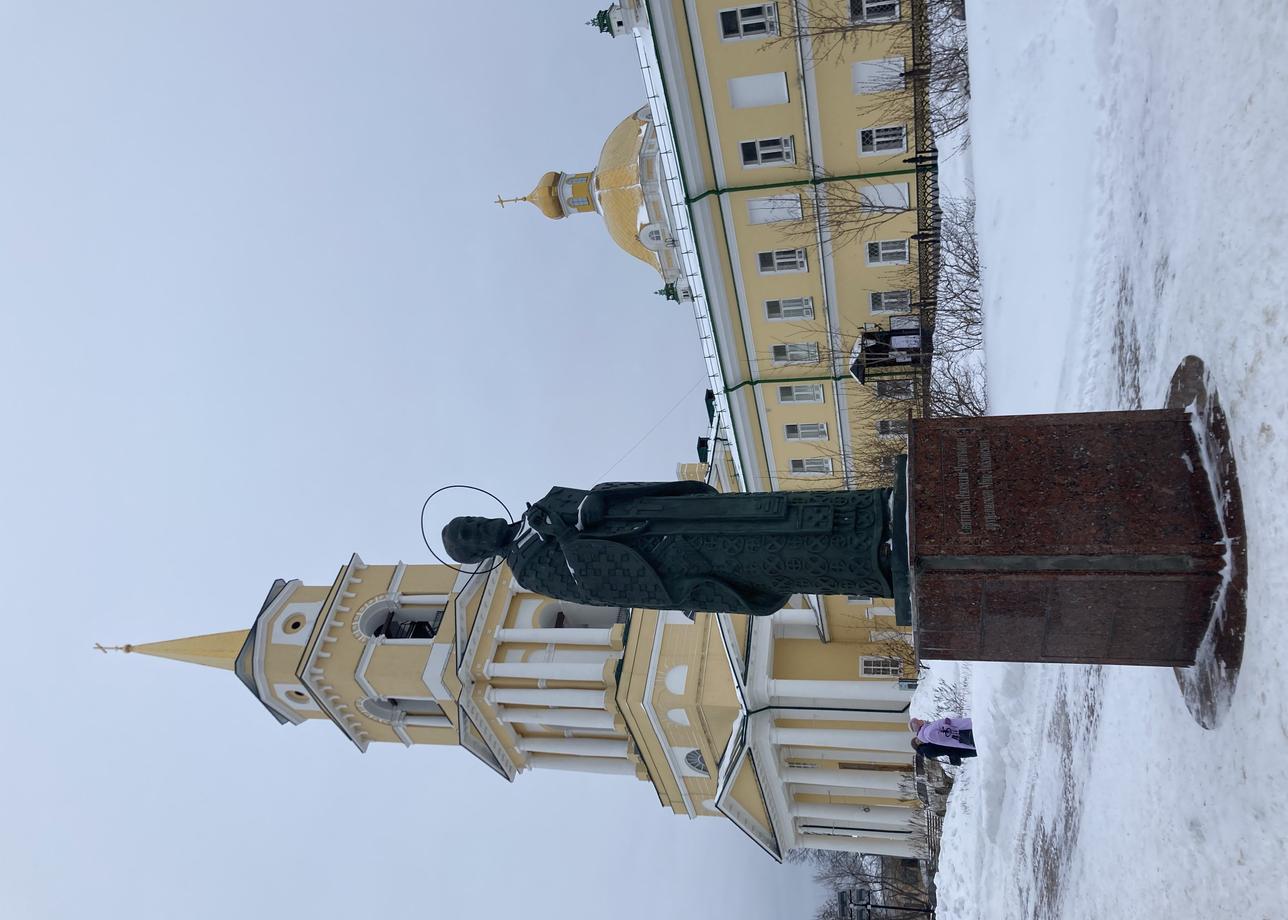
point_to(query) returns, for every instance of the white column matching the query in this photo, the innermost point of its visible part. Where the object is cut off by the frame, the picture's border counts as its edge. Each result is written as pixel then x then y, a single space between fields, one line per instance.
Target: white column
pixel 884 817
pixel 531 696
pixel 842 715
pixel 880 694
pixel 874 846
pixel 799 616
pixel 581 764
pixel 855 739
pixel 876 782
pixel 428 721
pixel 812 753
pixel 571 636
pixel 592 672
pixel 582 747
pixel 564 718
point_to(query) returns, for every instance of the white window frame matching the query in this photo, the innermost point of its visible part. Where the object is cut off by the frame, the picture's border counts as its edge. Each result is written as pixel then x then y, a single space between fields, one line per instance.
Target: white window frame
pixel 880 145
pixel 862 11
pixel 898 248
pixel 759 90
pixel 885 198
pixel 770 151
pixel 794 353
pixel 805 431
pixel 769 16
pixel 784 262
pixel 880 666
pixel 879 75
pixel 858 599
pixel 774 209
pixel 905 388
pixel 785 309
pixel 800 393
pixel 892 428
pixel 890 301
pixel 800 466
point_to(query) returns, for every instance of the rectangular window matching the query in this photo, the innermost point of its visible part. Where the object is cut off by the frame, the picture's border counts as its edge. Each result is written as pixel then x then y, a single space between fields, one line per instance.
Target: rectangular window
pixel 891 301
pixel 749 21
pixel 894 389
pixel 579 202
pixel 795 353
pixel 887 139
pixel 790 308
pixel 806 431
pixel 887 252
pixel 802 764
pixel 886 196
pixel 858 599
pixel 812 466
pixel 892 428
pixel 761 89
pixel 879 76
pixel 907 321
pixel 768 151
pixel 774 208
pixel 874 10
pixel 801 393
pixel 783 260
pixel 880 667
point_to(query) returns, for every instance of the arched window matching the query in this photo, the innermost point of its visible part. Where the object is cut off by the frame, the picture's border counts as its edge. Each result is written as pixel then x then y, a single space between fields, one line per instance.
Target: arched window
pixel 392 620
pixel 567 615
pixel 396 710
pixel 696 762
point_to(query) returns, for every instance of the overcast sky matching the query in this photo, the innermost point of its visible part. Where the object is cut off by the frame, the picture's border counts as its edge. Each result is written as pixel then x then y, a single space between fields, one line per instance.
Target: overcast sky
pixel 256 304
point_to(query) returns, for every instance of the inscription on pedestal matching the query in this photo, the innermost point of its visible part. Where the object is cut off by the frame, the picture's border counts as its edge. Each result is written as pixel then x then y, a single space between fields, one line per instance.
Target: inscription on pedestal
pixel 1087 537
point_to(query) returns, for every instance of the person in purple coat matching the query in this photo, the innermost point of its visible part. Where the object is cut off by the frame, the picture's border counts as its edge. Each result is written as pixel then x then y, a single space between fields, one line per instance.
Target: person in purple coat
pixel 951 736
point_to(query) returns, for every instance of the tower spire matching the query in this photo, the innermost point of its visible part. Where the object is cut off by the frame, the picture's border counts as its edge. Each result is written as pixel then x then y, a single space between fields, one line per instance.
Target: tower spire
pixel 214 650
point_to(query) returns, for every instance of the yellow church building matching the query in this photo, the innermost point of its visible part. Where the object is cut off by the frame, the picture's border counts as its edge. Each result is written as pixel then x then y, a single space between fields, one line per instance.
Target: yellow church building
pixel 793 727
pixel 780 178
pixel 732 182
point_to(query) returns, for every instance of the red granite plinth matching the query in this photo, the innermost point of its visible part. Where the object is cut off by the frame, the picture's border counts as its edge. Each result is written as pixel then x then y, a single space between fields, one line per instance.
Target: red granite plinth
pixel 1089 538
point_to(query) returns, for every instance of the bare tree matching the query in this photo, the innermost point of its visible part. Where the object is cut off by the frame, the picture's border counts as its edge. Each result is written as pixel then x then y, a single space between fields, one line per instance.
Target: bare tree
pixel 831 31
pixel 841 211
pixel 949 77
pixel 959 316
pixel 837 871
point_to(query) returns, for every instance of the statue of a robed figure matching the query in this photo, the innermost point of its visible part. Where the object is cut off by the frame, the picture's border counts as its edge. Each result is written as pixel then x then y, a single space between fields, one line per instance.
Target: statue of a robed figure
pixel 685 546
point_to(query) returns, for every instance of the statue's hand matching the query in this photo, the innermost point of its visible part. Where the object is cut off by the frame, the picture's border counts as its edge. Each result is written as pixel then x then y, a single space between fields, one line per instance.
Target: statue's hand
pixel 590 513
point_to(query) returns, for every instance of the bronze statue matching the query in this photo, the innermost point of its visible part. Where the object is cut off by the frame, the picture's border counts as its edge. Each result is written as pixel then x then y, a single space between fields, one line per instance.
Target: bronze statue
pixel 685 546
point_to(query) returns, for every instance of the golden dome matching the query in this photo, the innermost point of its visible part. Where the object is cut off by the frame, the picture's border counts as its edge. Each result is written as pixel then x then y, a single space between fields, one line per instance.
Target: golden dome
pixel 617 177
pixel 546 196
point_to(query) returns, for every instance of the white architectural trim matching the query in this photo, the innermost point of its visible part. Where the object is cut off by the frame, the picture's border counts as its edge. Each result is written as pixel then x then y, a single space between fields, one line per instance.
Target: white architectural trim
pixel 312 674
pixel 260 652
pixel 465 675
pixel 646 703
pixel 686 221
pixel 439 656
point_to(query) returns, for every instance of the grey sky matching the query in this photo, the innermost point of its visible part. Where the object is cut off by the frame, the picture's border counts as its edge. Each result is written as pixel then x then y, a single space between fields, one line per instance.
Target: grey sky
pixel 256 304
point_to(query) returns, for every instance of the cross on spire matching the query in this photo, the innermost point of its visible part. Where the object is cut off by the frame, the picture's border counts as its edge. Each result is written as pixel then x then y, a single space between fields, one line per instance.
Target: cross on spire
pixel 113 648
pixel 504 201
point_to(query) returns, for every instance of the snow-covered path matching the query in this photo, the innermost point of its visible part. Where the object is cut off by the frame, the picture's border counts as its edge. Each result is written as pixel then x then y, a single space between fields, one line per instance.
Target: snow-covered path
pixel 1133 209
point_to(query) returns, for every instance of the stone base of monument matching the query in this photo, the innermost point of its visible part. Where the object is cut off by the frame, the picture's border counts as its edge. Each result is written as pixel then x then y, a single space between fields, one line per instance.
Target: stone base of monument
pixel 1092 538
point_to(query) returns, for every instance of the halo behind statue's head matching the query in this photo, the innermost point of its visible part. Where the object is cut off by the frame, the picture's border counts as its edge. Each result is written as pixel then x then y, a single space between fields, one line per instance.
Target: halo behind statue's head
pixel 457 549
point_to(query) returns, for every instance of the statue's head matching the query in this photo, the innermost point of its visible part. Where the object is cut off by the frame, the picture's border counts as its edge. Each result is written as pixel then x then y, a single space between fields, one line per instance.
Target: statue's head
pixel 473 539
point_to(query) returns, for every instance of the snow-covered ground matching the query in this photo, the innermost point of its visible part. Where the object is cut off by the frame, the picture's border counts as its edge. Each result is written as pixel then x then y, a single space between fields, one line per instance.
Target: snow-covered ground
pixel 1133 209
